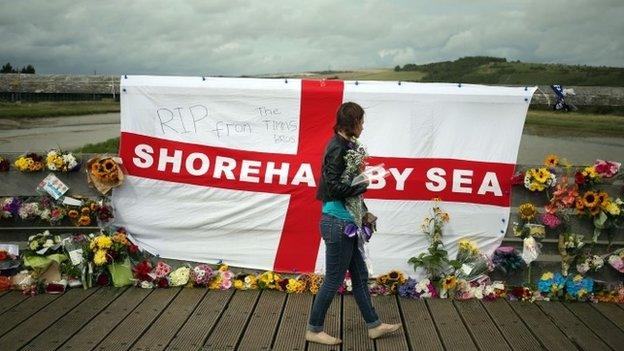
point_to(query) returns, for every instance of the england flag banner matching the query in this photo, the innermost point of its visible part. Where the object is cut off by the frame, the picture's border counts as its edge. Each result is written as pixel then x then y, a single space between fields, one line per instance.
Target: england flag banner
pixel 227 169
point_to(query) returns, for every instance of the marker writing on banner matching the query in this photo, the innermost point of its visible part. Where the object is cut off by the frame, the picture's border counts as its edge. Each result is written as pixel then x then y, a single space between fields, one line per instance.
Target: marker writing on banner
pixel 173 120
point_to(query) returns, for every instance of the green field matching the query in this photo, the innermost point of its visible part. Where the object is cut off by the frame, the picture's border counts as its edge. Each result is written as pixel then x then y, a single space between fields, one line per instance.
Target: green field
pixel 53 109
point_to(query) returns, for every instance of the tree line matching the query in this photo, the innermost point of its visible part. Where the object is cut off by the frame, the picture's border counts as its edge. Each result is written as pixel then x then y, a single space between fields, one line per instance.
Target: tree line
pixel 9 69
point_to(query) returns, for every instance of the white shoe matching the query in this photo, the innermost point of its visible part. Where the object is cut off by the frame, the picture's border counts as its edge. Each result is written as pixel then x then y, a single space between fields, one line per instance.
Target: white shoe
pixel 382 330
pixel 321 338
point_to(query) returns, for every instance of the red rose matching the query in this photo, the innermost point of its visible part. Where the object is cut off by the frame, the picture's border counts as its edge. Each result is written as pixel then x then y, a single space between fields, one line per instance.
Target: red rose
pixel 142 270
pixel 133 248
pixel 163 283
pixel 517 179
pixel 579 178
pixel 103 280
pixel 3 255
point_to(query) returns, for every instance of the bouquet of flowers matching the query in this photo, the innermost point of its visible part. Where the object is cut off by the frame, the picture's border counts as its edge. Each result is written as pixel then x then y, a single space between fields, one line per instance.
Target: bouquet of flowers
pixel 105 173
pixel 539 179
pixel 114 252
pixel 30 162
pixel 507 259
pixel 611 216
pixel 606 169
pixel 616 260
pixel 202 274
pixel 180 276
pixel 222 279
pixel 29 210
pixel 418 290
pixel 587 177
pixel 57 160
pixel 392 280
pixel 551 286
pixel 250 282
pixel 579 288
pixel 9 207
pixel 4 164
pixel 588 262
pixel 44 256
pixel 470 263
pixel 569 247
pixel 268 280
pixel 50 211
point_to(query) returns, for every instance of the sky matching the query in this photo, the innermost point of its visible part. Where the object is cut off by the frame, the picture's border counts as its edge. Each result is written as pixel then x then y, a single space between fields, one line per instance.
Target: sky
pixel 234 37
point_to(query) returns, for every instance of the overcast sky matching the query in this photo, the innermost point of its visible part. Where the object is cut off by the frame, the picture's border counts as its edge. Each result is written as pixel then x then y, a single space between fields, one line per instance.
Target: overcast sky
pixel 232 37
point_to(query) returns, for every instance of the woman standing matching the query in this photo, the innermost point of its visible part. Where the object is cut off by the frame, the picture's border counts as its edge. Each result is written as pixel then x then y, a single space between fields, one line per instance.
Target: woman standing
pixel 341 251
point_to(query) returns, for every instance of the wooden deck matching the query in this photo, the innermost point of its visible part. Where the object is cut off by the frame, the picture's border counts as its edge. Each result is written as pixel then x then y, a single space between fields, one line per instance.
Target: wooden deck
pixel 193 319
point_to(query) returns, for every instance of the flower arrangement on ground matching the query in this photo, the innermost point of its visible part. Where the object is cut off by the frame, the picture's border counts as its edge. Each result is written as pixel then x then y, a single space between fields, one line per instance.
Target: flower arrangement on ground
pixel 30 162
pixel 60 161
pixel 105 173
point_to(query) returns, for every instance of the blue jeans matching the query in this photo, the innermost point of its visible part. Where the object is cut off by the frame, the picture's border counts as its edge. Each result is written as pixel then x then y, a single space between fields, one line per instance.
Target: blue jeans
pixel 341 253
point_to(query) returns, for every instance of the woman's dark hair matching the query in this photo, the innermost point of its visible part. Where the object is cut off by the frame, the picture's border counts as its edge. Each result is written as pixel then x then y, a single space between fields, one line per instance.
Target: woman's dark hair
pixel 349 115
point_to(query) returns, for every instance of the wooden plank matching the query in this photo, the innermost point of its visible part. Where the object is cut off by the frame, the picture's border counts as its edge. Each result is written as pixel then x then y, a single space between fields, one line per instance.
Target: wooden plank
pixel 419 327
pixel 612 312
pixel 158 336
pixel 388 310
pixel 600 325
pixel 547 334
pixel 233 321
pixel 452 331
pixel 12 298
pixel 354 331
pixel 201 322
pixel 291 330
pixel 128 331
pixel 511 326
pixel 100 326
pixel 41 320
pixel 571 326
pixel 484 332
pixel 69 324
pixel 15 315
pixel 264 321
pixel 332 325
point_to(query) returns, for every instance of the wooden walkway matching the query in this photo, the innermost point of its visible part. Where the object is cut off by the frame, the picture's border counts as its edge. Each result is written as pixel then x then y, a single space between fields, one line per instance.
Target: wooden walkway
pixel 194 319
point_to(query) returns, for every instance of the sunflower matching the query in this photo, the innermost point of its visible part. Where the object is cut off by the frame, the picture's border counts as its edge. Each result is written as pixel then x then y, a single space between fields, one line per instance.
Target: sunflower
pixel 72 214
pixel 449 282
pixel 551 161
pixel 527 211
pixel 590 199
pixel 602 198
pixel 578 203
pixel 109 165
pixel 84 220
pixel 84 211
pixel 542 175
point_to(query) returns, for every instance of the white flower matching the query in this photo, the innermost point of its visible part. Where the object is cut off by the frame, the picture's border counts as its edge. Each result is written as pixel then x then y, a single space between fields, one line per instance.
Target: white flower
pixel 45 214
pixel 147 285
pixel 582 267
pixel 597 262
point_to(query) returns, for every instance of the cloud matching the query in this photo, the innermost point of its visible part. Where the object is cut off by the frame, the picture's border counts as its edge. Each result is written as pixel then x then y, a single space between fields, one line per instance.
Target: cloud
pixel 237 37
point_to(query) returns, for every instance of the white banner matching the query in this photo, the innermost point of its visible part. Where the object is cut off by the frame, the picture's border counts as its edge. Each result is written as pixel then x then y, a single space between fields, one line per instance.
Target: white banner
pixel 227 168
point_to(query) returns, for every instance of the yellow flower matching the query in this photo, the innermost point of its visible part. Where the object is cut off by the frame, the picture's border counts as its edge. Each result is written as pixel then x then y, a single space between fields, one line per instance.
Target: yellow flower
pixel 551 161
pixel 224 268
pixel 547 276
pixel 215 283
pixel 527 211
pixel 251 282
pixel 577 278
pixel 449 282
pixel 99 258
pixel 103 242
pixel 590 199
pixel 542 175
pixel 613 209
pixel 238 284
pixel 467 245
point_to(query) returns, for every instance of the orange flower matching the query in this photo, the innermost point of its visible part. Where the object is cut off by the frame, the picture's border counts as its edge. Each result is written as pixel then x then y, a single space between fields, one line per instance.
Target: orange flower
pixel 580 206
pixel 551 161
pixel 602 197
pixel 84 220
pixel 590 199
pixel 72 214
pixel 84 211
pixel 5 283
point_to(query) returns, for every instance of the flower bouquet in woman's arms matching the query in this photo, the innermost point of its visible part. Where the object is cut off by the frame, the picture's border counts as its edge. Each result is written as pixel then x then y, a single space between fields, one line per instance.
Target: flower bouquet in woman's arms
pixel 60 161
pixel 105 172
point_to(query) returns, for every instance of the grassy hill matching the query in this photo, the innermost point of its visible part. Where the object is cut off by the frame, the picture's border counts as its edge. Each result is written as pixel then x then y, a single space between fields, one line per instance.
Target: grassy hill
pixel 487 70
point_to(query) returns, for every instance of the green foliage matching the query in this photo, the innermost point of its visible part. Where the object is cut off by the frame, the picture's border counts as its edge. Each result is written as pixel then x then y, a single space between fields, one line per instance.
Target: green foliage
pixel 495 70
pixel 9 69
pixel 110 146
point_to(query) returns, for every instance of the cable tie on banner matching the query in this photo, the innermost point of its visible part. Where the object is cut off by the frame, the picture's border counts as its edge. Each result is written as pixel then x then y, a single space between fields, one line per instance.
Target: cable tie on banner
pixel 124 90
pixel 459 85
pixel 286 81
pixel 399 82
pixel 203 78
pixel 125 76
pixel 526 99
pixel 356 82
pixel 526 88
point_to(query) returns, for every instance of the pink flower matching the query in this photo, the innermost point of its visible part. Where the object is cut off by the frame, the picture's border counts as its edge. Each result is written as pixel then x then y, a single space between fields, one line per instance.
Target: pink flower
pixel 162 269
pixel 226 284
pixel 607 169
pixel 551 220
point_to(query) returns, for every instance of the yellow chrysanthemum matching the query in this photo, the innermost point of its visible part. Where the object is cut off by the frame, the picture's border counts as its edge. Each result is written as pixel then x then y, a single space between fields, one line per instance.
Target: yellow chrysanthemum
pixel 613 209
pixel 590 172
pixel 99 258
pixel 103 242
pixel 238 284
pixel 224 268
pixel 467 245
pixel 527 211
pixel 551 160
pixel 548 276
